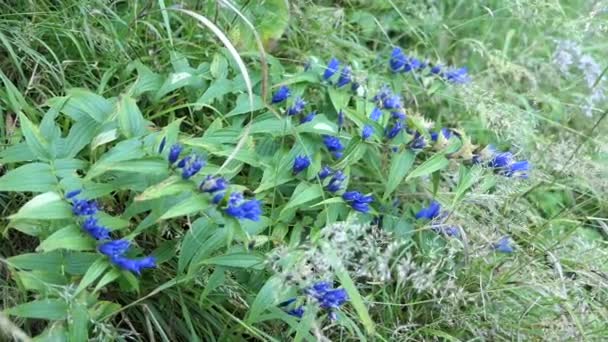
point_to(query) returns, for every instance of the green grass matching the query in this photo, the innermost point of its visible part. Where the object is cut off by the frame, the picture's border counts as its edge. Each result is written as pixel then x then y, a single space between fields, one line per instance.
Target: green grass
pixel 552 288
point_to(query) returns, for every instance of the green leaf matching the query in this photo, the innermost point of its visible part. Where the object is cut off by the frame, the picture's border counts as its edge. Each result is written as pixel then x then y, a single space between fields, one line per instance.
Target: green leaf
pixel 170 186
pixel 319 125
pixel 94 272
pixel 400 165
pixel 130 120
pixel 147 80
pixel 107 278
pixel 195 237
pixel 34 177
pixel 55 261
pixel 190 205
pixel 436 162
pixel 19 152
pixel 242 105
pixel 266 297
pixel 242 260
pixel 79 322
pixel 215 280
pixel 34 139
pixel 46 206
pixel 70 237
pixel 80 135
pixel 217 89
pixel 155 166
pixel 207 247
pixel 303 193
pixel 50 309
pixel 466 179
pixel 84 103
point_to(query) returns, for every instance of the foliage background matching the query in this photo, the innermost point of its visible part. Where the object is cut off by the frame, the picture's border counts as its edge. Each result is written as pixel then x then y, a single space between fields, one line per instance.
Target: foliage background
pixel 162 64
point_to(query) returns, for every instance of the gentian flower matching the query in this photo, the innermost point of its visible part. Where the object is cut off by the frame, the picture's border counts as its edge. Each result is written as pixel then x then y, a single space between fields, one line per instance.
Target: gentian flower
pixel 297 107
pixel 297 312
pixel 384 92
pixel 333 145
pixel 241 209
pixel 97 231
pixel 418 142
pixel 335 183
pixel 192 166
pixel 394 130
pixel 398 115
pixel 392 102
pixel 519 169
pixel 436 69
pixel 308 118
pixel 345 77
pixel 358 201
pixel 162 145
pixel 398 60
pixel 452 231
pixel 429 212
pixel 281 94
pixel 81 207
pixel 501 160
pixel 300 164
pixel 333 299
pixel 458 76
pixel 73 193
pixel 375 114
pixel 504 245
pixel 367 132
pixel 332 68
pixel 133 265
pixel 325 172
pixel 213 184
pixel 174 153
pixel 115 247
pixel 447 134
pixel 340 119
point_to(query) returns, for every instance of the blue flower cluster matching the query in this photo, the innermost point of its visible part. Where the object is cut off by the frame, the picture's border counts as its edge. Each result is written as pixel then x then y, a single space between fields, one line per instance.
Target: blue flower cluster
pixel 504 245
pixel 324 295
pixel 239 208
pixel 297 107
pixel 333 145
pixel 114 249
pixel 335 182
pixel 433 212
pixel 399 62
pixel 503 163
pixel 300 164
pixel 358 201
pixel 190 165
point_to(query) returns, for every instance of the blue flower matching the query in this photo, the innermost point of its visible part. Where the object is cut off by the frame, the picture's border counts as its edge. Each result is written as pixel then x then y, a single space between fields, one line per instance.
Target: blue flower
pixel 174 153
pixel 241 209
pixel 394 130
pixel 281 94
pixel 358 201
pixel 436 69
pixel 333 144
pixel 418 142
pixel 345 77
pixel 504 245
pixel 308 117
pixel 518 169
pixel 97 231
pixel 397 60
pixel 398 115
pixel 375 114
pixel 115 247
pixel 192 166
pixel 429 212
pixel 452 231
pixel 367 132
pixel 133 265
pixel 82 207
pixel 297 312
pixel 392 102
pixel 413 64
pixel 325 172
pixel 335 183
pixel 162 145
pixel 332 68
pixel 297 107
pixel 340 119
pixel 446 133
pixel 73 193
pixel 333 299
pixel 501 160
pixel 458 76
pixel 213 184
pixel 300 164
pixel 384 92
pixel 217 198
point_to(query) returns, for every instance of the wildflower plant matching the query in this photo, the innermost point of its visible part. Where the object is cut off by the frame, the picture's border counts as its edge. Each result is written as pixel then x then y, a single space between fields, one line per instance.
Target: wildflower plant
pixel 311 203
